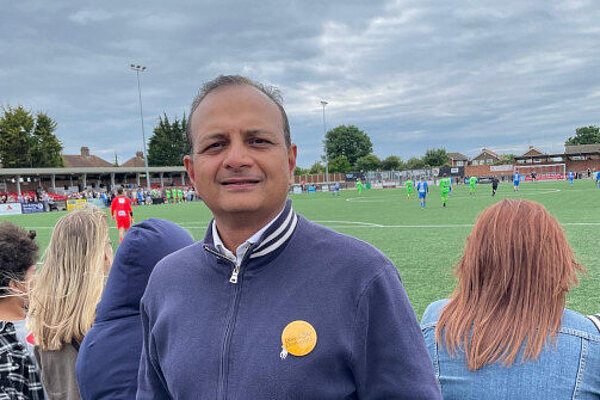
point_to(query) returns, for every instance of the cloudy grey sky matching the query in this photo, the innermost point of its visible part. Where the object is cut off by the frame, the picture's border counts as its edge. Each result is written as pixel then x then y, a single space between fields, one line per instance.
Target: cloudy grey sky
pixel 414 74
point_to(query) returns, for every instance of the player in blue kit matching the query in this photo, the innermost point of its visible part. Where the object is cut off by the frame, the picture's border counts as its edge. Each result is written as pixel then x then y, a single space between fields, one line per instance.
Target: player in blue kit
pixel 598 179
pixel 571 177
pixel 516 181
pixel 423 189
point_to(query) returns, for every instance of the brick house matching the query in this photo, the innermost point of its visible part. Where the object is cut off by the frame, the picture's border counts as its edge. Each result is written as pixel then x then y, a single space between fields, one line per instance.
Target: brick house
pixel 137 161
pixel 85 159
pixel 458 159
pixel 486 157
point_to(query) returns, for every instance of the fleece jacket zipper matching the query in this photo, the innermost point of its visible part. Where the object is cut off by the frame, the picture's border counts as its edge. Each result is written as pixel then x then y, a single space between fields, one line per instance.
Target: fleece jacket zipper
pixel 231 318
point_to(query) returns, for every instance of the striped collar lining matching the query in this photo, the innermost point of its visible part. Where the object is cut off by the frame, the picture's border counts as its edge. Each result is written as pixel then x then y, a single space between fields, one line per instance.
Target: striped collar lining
pixel 278 237
pixel 596 320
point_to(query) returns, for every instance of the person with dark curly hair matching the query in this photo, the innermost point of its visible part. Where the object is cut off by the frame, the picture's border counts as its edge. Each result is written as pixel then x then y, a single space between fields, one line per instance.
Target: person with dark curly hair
pixel 19 373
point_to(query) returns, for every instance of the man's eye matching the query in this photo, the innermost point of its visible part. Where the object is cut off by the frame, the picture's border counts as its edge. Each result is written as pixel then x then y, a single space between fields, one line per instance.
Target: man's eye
pixel 259 141
pixel 213 146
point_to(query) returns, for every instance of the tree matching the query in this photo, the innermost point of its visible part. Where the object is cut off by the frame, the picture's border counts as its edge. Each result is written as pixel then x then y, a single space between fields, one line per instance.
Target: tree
pixel 339 165
pixel 168 145
pixel 316 168
pixel 347 141
pixel 392 163
pixel 415 163
pixel 45 148
pixel 116 162
pixel 300 171
pixel 584 135
pixel 368 163
pixel 26 142
pixel 506 159
pixel 436 157
pixel 16 125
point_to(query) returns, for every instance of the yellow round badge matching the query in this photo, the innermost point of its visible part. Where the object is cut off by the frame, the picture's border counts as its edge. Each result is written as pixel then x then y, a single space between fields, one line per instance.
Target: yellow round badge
pixel 299 338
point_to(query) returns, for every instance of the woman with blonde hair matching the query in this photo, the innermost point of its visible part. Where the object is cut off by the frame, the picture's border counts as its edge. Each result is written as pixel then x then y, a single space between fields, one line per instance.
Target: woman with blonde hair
pixel 65 294
pixel 505 332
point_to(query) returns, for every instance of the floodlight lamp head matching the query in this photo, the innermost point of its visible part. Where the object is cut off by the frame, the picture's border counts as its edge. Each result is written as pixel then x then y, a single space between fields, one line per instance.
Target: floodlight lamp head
pixel 324 103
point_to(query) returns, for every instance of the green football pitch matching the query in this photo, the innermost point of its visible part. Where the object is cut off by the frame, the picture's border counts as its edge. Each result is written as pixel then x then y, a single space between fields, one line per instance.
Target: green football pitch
pixel 423 244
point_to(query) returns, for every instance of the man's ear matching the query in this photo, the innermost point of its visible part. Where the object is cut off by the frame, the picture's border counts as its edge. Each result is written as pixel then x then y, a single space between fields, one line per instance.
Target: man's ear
pixel 292 154
pixel 188 162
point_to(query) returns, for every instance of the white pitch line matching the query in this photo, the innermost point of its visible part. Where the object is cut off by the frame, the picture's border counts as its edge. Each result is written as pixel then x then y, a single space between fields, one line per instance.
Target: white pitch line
pixel 383 199
pixel 357 223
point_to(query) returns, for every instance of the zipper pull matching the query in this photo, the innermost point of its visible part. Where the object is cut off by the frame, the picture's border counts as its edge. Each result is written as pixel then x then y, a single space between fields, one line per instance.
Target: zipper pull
pixel 234 275
pixel 284 353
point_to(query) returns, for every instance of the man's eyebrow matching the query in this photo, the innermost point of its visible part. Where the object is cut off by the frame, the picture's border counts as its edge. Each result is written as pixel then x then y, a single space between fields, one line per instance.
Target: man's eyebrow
pixel 213 136
pixel 259 132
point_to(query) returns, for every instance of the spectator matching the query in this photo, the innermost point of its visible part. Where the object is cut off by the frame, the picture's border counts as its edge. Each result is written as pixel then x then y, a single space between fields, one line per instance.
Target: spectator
pixel 19 374
pixel 505 333
pixel 67 290
pixel 108 361
pixel 271 320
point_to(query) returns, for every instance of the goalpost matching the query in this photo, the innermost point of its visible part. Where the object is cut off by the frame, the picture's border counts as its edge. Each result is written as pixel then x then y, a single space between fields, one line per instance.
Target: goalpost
pixel 543 172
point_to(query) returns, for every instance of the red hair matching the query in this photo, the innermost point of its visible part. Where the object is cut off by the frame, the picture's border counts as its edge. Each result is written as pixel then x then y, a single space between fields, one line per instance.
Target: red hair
pixel 512 280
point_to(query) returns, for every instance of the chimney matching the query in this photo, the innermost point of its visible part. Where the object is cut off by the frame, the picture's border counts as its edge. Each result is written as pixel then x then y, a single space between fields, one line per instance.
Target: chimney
pixel 85 152
pixel 139 154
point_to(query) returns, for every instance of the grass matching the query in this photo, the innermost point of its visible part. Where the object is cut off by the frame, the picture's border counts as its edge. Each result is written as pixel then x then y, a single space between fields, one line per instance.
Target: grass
pixel 423 244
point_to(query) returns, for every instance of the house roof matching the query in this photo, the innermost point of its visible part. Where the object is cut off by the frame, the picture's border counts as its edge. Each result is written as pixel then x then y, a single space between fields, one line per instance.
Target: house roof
pixel 85 159
pixel 532 151
pixel 78 161
pixel 583 148
pixel 485 151
pixel 137 161
pixel 458 156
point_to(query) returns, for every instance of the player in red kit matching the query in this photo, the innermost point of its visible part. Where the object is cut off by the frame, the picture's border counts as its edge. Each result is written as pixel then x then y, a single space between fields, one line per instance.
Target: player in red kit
pixel 121 211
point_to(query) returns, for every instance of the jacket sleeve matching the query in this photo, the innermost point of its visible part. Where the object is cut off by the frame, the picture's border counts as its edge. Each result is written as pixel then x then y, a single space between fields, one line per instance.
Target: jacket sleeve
pixel 389 358
pixel 151 382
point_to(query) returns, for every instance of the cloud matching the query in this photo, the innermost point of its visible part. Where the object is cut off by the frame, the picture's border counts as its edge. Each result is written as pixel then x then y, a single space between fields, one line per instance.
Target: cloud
pixel 84 17
pixel 414 74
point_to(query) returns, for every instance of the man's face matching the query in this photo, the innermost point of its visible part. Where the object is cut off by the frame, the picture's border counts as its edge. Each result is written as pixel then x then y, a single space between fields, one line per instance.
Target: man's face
pixel 240 163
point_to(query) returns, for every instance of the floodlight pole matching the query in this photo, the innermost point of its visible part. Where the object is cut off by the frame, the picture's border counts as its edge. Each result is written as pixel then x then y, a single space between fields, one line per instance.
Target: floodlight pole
pixel 324 103
pixel 138 69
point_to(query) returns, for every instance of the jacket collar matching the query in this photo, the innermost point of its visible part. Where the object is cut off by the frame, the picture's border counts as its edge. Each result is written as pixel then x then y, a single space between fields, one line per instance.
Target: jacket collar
pixel 272 239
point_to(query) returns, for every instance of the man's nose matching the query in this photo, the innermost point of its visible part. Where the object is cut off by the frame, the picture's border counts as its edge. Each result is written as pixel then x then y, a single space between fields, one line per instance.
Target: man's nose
pixel 237 156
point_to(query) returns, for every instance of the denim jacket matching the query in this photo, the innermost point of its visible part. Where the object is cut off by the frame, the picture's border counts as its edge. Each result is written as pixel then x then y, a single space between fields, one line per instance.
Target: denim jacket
pixel 570 369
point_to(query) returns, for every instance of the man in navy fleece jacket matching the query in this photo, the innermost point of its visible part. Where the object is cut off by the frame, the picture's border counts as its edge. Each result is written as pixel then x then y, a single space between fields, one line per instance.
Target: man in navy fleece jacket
pixel 270 305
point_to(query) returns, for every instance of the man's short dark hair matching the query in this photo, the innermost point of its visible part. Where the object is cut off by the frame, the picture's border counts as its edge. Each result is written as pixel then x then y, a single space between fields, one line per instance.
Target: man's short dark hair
pixel 222 81
pixel 120 191
pixel 18 252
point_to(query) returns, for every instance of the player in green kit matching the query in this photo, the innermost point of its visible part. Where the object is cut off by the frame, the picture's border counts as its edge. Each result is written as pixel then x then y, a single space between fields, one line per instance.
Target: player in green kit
pixel 180 194
pixel 168 195
pixel 409 187
pixel 359 186
pixel 472 182
pixel 445 187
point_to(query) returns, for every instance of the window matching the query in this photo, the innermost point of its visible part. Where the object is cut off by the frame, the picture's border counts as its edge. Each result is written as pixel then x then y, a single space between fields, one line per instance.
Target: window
pixel 460 163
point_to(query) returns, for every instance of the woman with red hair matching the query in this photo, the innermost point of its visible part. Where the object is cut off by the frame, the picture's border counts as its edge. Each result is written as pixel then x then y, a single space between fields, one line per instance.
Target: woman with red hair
pixel 505 332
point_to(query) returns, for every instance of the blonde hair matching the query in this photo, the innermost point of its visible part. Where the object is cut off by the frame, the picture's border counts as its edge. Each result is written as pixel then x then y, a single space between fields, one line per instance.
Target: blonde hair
pixel 512 281
pixel 69 285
